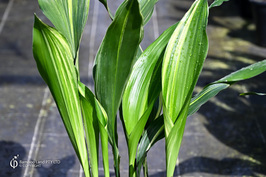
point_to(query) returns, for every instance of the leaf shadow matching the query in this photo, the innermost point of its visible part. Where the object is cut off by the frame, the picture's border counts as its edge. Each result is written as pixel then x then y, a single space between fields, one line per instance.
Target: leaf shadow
pixel 9 149
pixel 58 170
pixel 226 166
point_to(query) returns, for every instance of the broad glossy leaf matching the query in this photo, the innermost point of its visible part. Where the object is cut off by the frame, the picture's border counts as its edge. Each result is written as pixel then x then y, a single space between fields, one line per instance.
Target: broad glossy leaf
pixel 134 137
pixel 211 90
pixel 184 58
pixel 217 3
pixel 156 110
pixel 113 63
pixel 154 132
pixel 114 59
pixel 182 64
pixel 143 86
pixel 173 143
pixel 214 88
pixel 103 118
pixel 147 7
pixel 245 73
pixel 95 120
pixel 202 97
pixel 55 64
pixel 69 17
pixel 91 126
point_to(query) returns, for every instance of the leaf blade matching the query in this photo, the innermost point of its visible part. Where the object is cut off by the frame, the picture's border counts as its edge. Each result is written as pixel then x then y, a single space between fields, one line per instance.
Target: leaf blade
pixel 182 64
pixel 91 128
pixel 134 138
pixel 111 72
pixel 153 132
pixel 69 17
pixel 95 120
pixel 147 7
pixel 217 3
pixel 142 88
pixel 253 93
pixel 55 64
pixel 245 73
pixel 202 97
pixel 184 58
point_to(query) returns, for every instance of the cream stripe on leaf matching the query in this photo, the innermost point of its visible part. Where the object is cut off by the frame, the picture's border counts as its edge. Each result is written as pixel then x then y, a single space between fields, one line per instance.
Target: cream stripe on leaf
pixel 55 63
pixel 182 64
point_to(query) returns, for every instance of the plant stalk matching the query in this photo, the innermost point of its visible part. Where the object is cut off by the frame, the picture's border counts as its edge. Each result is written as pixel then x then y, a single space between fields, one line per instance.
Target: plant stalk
pixel 116 160
pixel 145 168
pixel 132 171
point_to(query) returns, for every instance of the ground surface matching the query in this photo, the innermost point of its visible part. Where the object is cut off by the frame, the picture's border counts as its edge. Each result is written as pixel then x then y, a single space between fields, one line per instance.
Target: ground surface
pixel 225 138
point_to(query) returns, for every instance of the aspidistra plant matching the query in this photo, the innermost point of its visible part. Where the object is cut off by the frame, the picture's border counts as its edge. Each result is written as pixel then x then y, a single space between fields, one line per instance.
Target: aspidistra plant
pixel 151 89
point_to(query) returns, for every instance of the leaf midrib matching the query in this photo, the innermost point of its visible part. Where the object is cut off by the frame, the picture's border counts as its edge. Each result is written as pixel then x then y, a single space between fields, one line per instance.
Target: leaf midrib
pixel 118 56
pixel 183 35
pixel 60 85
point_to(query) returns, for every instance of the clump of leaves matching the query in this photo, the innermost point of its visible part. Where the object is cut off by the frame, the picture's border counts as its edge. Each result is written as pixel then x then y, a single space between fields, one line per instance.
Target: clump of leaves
pixel 137 84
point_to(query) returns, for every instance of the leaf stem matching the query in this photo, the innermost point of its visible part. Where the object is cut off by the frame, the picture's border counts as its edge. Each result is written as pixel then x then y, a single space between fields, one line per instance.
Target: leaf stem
pixel 145 167
pixel 116 159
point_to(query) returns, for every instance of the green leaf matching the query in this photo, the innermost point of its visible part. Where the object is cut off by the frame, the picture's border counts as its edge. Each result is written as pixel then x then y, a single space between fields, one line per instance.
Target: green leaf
pixel 245 73
pixel 143 86
pixel 147 7
pixel 69 18
pixel 91 126
pixel 253 93
pixel 114 59
pixel 113 64
pixel 154 131
pixel 182 64
pixel 217 3
pixel 95 119
pixel 134 138
pixel 202 97
pixel 104 2
pixel 156 110
pixel 55 64
pixel 184 57
pixel 214 88
pixel 103 119
pixel 173 143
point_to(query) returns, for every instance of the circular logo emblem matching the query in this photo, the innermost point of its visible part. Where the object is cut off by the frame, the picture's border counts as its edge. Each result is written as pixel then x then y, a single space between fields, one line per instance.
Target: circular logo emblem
pixel 13 162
